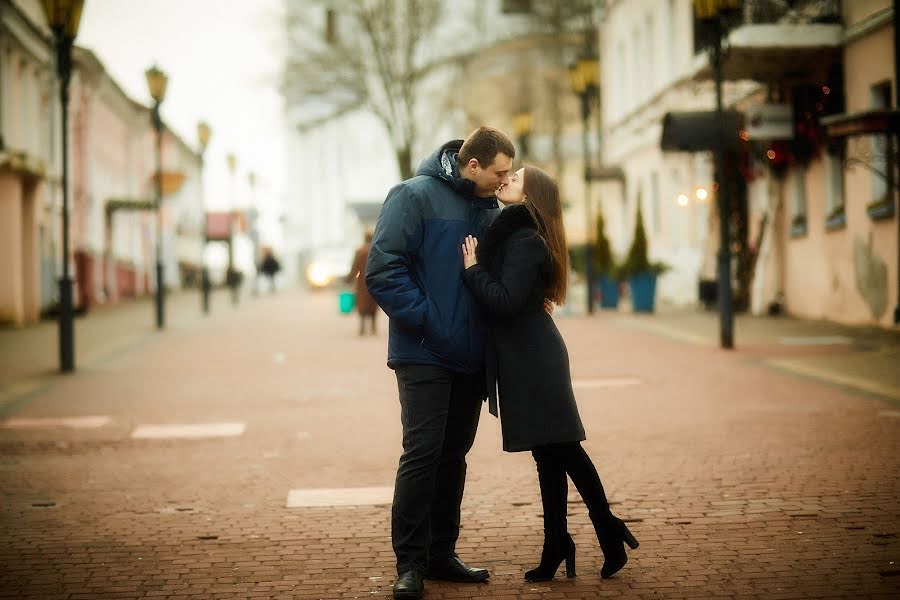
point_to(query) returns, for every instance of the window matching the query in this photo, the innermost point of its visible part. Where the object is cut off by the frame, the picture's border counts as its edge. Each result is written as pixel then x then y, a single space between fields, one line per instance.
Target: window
pixel 621 82
pixel 654 203
pixel 636 79
pixel 834 187
pixel 881 204
pixel 797 190
pixel 330 25
pixel 669 49
pixel 650 54
pixel 510 7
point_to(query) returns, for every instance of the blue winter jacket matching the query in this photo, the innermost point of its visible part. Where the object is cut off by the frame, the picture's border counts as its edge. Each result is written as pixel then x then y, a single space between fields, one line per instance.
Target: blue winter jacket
pixel 415 266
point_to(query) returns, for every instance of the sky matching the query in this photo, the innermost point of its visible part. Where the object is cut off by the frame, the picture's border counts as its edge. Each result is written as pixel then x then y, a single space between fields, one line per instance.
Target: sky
pixel 222 58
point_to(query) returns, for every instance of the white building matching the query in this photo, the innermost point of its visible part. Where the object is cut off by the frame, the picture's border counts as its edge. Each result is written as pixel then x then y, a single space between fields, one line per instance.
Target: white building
pixel 649 62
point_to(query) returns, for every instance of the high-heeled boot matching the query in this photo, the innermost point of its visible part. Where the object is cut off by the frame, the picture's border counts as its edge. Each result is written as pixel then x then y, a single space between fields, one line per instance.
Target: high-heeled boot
pixel 558 544
pixel 613 534
pixel 611 531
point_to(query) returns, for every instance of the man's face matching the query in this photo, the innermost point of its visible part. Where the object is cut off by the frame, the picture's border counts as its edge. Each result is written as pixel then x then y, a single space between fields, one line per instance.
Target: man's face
pixel 488 179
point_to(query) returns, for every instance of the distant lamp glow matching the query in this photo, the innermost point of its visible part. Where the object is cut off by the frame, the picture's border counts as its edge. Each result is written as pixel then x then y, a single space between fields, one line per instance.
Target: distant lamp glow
pixel 204 132
pixel 701 194
pixel 318 275
pixel 63 16
pixel 771 154
pixel 157 82
pixel 682 200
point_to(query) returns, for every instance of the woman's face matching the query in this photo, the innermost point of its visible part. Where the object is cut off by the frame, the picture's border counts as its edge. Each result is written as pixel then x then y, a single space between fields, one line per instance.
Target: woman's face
pixel 514 191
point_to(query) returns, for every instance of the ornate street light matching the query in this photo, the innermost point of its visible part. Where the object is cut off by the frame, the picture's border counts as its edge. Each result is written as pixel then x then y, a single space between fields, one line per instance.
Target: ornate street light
pixel 231 278
pixel 63 17
pixel 712 13
pixel 583 81
pixel 522 123
pixel 203 134
pixel 157 83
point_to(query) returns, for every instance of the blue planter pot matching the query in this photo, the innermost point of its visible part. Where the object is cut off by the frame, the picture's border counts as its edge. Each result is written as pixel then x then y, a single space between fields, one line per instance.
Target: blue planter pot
pixel 643 291
pixel 609 292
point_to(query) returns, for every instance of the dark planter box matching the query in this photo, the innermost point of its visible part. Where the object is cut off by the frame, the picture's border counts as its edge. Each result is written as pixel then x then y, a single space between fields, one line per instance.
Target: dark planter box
pixel 609 292
pixel 643 292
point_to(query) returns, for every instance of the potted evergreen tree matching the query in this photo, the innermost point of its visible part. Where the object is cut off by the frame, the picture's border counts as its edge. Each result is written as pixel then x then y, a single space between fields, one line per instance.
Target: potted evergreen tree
pixel 639 271
pixel 604 268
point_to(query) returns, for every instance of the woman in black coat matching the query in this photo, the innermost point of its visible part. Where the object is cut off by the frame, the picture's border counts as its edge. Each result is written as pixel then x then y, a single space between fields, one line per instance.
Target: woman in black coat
pixel 522 261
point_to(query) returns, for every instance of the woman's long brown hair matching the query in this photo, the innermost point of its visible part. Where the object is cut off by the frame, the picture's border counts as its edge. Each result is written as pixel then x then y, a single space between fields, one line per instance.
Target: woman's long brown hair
pixel 542 200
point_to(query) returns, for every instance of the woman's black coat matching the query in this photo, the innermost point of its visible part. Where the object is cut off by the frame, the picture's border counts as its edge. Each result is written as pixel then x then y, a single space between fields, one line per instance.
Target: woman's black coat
pixel 528 363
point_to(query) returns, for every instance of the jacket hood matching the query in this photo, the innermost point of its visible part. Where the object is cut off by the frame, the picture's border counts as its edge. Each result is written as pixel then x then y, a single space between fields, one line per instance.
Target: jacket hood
pixel 441 164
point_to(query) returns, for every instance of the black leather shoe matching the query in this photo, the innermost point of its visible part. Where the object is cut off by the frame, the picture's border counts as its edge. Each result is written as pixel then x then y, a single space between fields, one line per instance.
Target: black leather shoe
pixel 409 585
pixel 457 571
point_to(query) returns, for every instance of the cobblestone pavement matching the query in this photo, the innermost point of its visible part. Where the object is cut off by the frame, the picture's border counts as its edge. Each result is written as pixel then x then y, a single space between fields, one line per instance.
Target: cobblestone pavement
pixel 740 480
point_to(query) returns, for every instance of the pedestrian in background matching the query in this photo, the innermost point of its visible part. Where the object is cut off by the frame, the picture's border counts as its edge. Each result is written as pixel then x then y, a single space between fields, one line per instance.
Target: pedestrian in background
pixel 523 261
pixel 435 345
pixel 365 304
pixel 269 267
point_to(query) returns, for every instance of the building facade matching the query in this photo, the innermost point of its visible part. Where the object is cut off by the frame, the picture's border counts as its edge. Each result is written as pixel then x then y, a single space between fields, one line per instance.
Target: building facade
pixel 112 166
pixel 648 69
pixel 816 227
pixel 29 166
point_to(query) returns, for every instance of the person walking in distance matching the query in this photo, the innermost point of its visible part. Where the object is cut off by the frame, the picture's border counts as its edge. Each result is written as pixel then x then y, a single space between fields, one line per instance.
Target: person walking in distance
pixel 365 304
pixel 435 345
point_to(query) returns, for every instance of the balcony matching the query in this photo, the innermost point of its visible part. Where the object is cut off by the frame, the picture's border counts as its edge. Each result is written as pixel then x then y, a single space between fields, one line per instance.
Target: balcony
pixel 777 40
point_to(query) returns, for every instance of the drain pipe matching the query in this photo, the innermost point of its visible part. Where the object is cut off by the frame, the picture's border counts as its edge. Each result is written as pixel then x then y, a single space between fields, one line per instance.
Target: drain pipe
pixel 897 150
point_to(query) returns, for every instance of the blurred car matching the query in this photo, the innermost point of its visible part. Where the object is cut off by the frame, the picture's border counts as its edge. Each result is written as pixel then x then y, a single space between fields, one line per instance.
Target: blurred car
pixel 328 266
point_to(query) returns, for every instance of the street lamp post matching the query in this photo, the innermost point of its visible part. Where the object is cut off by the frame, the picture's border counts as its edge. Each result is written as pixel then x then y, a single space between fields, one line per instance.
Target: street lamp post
pixel 583 79
pixel 522 123
pixel 712 13
pixel 231 277
pixel 63 17
pixel 203 134
pixel 157 82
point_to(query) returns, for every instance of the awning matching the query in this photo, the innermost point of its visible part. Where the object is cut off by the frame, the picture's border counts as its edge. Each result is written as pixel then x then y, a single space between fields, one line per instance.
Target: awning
pixel 138 204
pixel 697 131
pixel 869 122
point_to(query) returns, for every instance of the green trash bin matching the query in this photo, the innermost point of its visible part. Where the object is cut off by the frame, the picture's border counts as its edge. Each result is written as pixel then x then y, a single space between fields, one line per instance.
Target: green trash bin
pixel 346 301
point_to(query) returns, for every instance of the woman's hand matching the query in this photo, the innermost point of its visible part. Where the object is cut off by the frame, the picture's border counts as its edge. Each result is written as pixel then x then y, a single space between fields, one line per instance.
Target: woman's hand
pixel 468 250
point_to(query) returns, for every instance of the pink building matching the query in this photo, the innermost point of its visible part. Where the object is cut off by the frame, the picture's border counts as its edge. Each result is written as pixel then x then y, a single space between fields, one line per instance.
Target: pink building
pixel 112 166
pixel 29 165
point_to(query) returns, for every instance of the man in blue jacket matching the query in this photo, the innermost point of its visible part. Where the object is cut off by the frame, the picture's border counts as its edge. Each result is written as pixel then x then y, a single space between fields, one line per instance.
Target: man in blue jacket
pixel 435 344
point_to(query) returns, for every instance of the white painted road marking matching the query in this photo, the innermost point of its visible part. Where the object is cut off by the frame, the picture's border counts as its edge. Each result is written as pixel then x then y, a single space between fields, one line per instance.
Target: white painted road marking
pixel 45 422
pixel 190 431
pixel 605 382
pixel 822 340
pixel 365 496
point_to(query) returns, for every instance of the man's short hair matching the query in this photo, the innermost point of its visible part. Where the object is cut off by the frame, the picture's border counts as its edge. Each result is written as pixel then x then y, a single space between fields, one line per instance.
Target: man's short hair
pixel 484 144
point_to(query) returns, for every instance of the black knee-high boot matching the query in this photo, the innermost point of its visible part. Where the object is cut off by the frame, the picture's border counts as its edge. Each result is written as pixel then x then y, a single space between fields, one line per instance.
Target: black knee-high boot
pixel 558 544
pixel 611 531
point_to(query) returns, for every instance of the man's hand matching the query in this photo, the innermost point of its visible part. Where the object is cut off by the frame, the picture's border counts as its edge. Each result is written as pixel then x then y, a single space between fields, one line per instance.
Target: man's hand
pixel 548 306
pixel 468 250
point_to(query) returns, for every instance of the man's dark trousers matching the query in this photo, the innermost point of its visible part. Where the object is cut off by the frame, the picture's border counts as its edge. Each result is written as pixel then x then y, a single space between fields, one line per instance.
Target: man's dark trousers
pixel 439 410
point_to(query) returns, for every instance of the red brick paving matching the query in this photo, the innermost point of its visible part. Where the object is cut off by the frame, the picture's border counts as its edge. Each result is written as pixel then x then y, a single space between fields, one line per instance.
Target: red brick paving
pixel 740 481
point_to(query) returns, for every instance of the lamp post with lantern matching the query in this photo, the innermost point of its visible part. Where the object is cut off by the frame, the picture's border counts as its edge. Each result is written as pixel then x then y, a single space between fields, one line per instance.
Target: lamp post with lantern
pixel 712 13
pixel 157 81
pixel 204 132
pixel 583 78
pixel 63 17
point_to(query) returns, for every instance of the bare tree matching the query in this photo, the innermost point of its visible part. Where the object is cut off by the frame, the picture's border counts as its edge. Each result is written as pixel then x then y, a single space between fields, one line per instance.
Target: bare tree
pixel 373 55
pixel 565 28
